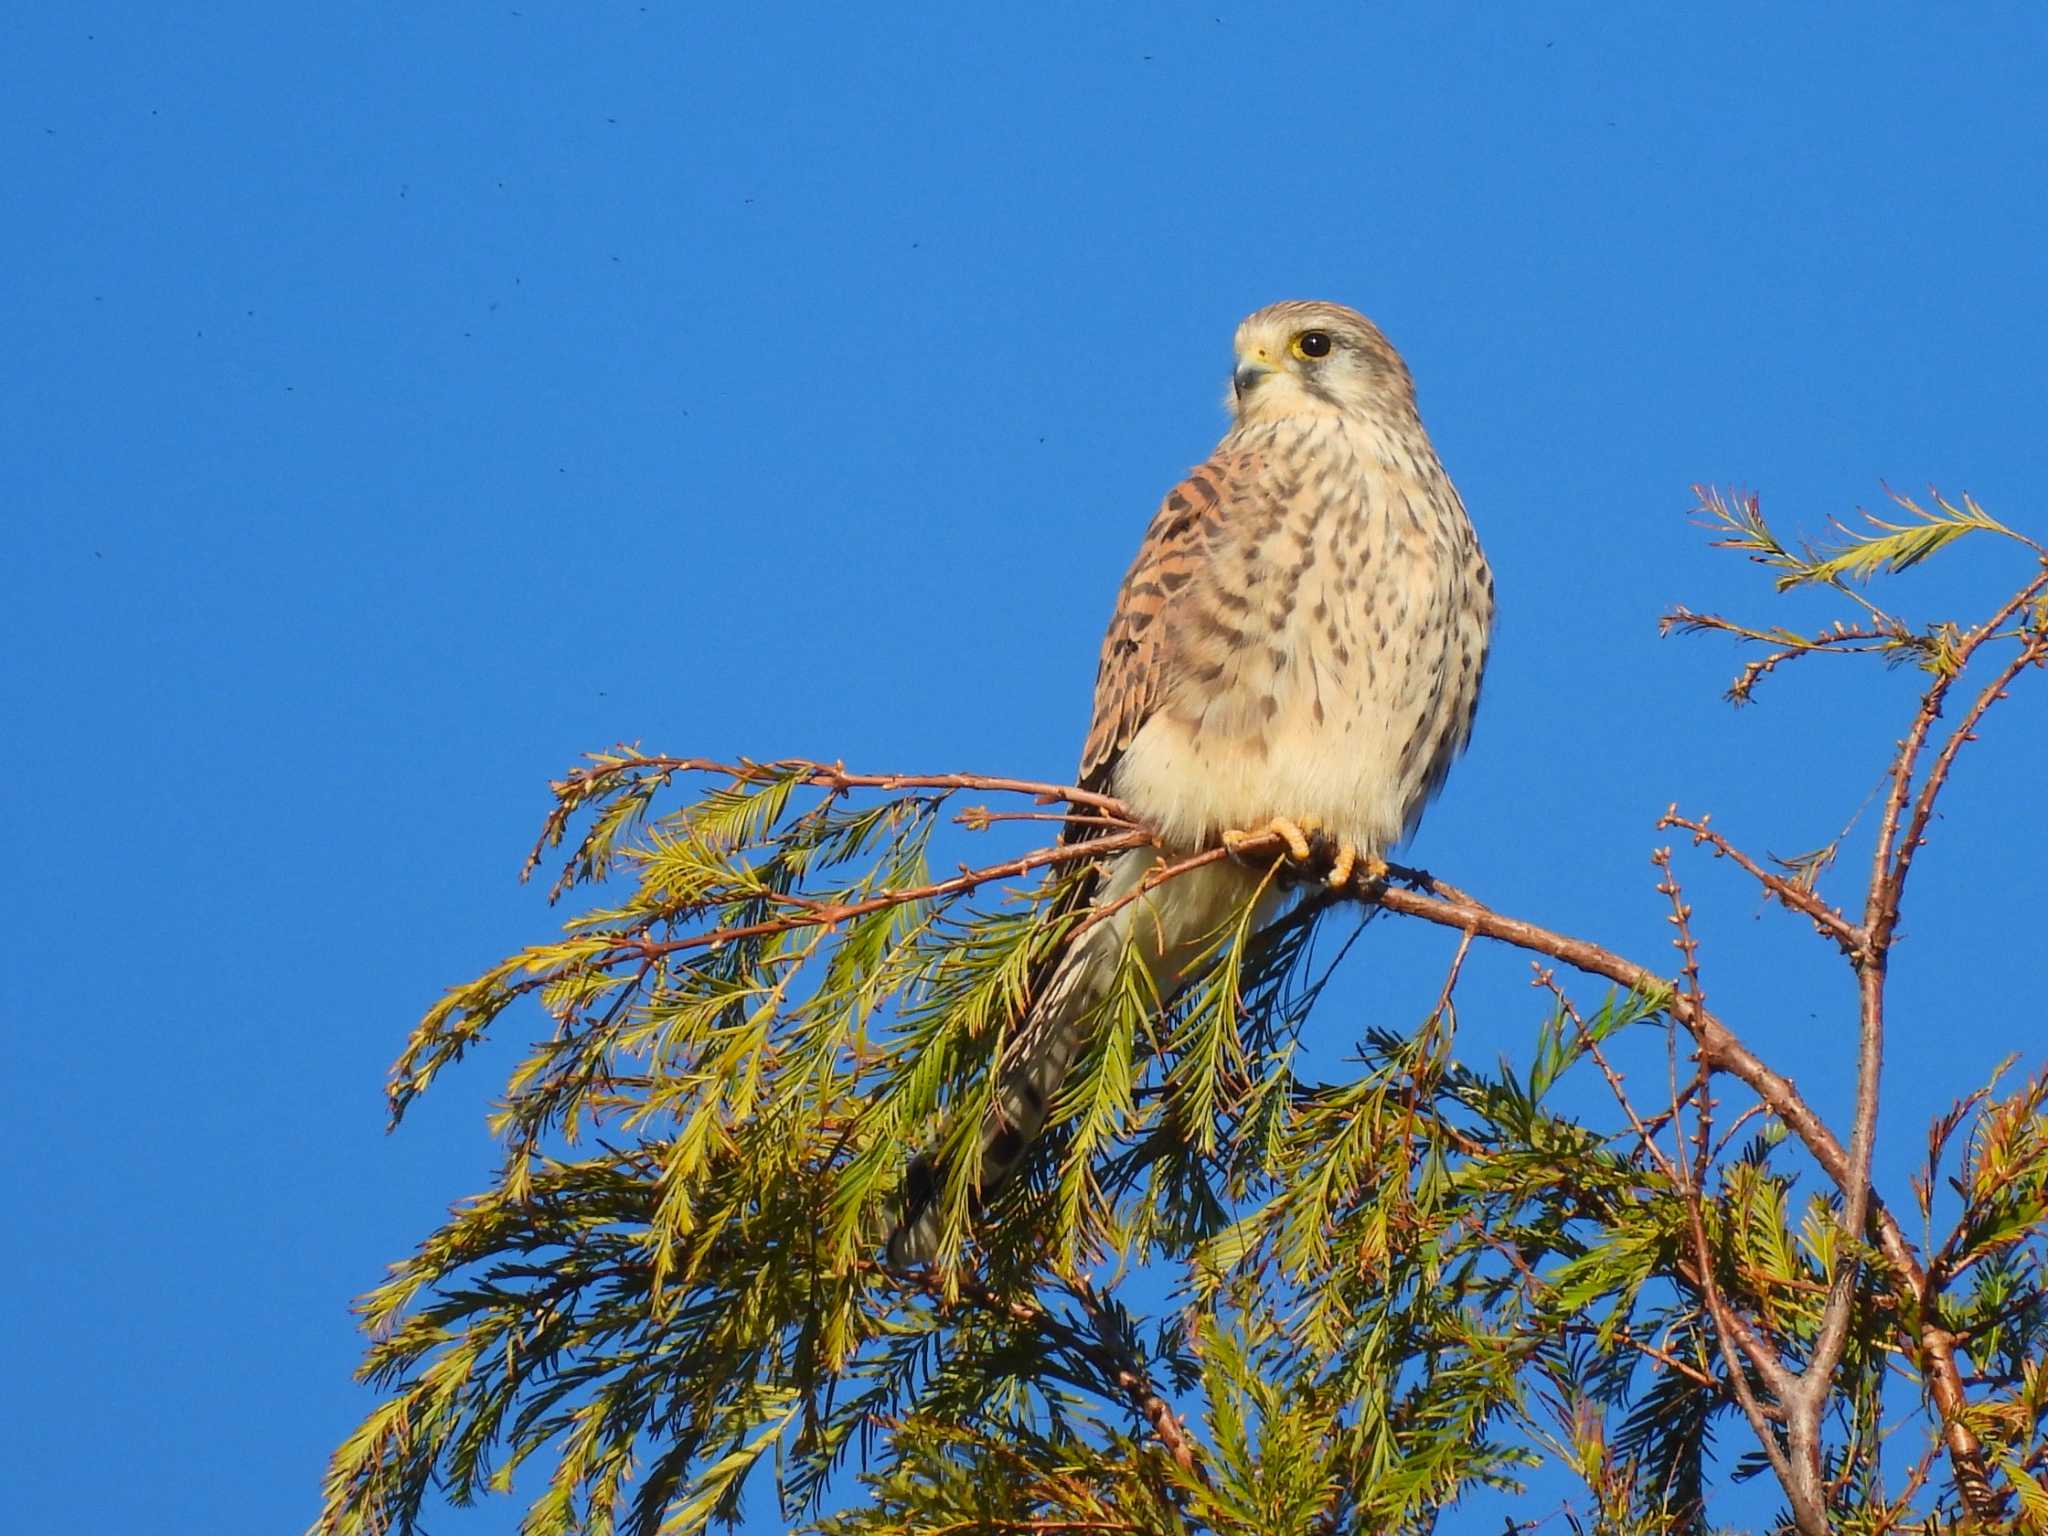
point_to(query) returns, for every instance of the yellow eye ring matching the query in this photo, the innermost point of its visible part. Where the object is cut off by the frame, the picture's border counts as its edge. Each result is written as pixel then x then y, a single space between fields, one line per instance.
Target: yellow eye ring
pixel 1310 345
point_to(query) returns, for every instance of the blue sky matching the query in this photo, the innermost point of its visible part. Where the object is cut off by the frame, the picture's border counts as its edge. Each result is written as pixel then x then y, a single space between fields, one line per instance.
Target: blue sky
pixel 402 401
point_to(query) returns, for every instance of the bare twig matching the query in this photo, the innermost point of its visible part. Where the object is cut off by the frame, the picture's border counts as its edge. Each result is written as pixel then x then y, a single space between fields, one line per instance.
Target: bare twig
pixel 1692 1177
pixel 812 914
pixel 1129 1373
pixel 576 788
pixel 837 776
pixel 1891 862
pixel 1881 635
pixel 1155 877
pixel 1445 1008
pixel 1730 1331
pixel 1547 979
pixel 2033 653
pixel 1793 895
pixel 1735 1125
pixel 1669 1361
pixel 979 818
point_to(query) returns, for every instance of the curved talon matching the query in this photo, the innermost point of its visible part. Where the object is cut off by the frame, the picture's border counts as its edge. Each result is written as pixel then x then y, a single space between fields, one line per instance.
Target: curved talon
pixel 1370 867
pixel 1293 833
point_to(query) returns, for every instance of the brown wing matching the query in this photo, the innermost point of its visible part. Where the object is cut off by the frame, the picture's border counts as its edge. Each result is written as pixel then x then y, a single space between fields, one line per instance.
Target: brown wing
pixel 1144 645
pixel 1139 655
pixel 1140 651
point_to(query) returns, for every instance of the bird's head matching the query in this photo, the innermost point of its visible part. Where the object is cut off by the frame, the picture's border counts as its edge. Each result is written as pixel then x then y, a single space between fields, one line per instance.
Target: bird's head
pixel 1311 358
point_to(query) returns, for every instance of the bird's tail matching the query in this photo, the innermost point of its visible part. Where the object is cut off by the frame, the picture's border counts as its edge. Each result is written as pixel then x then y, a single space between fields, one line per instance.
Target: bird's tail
pixel 1171 928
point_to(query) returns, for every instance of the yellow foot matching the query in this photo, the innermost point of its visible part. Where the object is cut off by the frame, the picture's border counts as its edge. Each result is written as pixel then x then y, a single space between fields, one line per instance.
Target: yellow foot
pixel 1293 833
pixel 1350 861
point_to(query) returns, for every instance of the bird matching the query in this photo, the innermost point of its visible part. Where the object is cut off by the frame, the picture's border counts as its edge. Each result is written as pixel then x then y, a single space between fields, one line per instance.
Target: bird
pixel 1297 649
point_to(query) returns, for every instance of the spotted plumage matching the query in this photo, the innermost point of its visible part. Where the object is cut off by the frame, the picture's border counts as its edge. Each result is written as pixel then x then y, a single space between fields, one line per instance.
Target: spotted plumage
pixel 1302 636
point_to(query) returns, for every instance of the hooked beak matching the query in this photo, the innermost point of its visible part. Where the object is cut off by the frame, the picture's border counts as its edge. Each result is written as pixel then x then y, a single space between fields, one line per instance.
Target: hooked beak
pixel 1250 370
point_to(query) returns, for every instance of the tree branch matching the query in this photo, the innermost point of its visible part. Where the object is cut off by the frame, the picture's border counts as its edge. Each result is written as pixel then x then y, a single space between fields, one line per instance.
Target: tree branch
pixel 1416 894
pixel 1790 893
pixel 1891 863
pixel 821 914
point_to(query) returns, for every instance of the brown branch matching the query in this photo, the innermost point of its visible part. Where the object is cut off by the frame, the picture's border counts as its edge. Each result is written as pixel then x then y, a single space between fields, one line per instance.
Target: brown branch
pixel 2034 652
pixel 815 914
pixel 1537 1284
pixel 1720 1044
pixel 1790 893
pixel 979 818
pixel 1445 1008
pixel 1692 1177
pixel 1842 640
pixel 1717 1047
pixel 1418 895
pixel 1129 1373
pixel 1547 979
pixel 577 787
pixel 1900 1510
pixel 1155 877
pixel 1965 1452
pixel 837 777
pixel 1665 1358
pixel 1728 1136
pixel 1664 1117
pixel 1891 863
pixel 1797 1395
pixel 1729 1332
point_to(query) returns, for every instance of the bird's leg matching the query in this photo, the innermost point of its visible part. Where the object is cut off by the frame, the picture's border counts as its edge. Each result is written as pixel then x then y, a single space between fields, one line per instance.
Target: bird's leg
pixel 1293 833
pixel 1349 861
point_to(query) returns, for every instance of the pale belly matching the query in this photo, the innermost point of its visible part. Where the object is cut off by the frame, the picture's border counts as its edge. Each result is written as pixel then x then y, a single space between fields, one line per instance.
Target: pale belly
pixel 1193 782
pixel 1352 728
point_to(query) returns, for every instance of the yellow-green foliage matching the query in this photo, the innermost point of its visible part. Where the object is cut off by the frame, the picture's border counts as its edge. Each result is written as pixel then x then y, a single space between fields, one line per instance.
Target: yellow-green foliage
pixel 1387 1288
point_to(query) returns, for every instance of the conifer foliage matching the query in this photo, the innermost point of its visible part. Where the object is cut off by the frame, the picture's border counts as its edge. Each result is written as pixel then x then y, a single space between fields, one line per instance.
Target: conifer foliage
pixel 1371 1292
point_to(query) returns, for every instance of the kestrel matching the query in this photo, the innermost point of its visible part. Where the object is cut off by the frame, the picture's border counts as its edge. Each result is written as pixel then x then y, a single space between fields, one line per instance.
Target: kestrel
pixel 1297 647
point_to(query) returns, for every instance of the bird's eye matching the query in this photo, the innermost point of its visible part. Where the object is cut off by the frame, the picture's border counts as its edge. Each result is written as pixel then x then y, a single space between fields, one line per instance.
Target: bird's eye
pixel 1312 344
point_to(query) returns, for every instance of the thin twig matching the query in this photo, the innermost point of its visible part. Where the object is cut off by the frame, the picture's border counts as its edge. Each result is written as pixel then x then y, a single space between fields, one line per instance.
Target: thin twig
pixel 828 914
pixel 1547 979
pixel 1891 862
pixel 977 818
pixel 2034 652
pixel 1728 1136
pixel 1729 1333
pixel 1130 1374
pixel 1688 949
pixel 1791 894
pixel 1155 877
pixel 1445 1008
